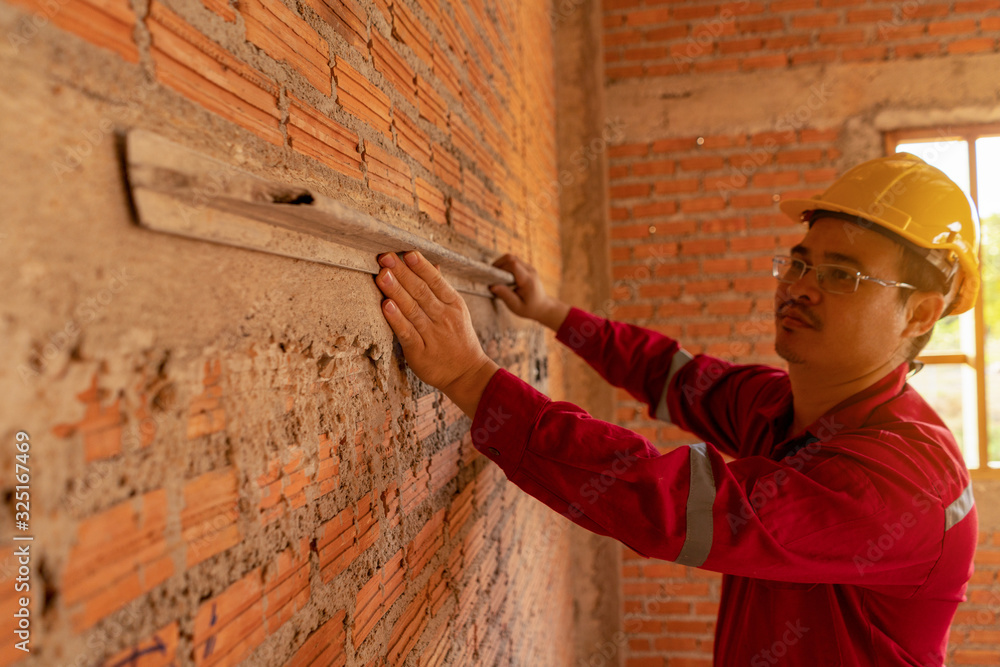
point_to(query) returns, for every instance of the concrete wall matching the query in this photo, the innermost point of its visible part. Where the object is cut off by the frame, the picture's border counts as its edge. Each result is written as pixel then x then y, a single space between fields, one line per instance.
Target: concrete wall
pixel 728 108
pixel 229 460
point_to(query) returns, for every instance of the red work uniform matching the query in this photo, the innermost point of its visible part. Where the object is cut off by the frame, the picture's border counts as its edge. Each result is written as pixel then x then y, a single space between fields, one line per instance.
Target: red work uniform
pixel 850 543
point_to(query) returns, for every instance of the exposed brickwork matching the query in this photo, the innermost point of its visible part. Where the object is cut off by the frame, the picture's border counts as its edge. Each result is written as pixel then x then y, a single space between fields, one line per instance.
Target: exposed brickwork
pixel 644 38
pixel 317 511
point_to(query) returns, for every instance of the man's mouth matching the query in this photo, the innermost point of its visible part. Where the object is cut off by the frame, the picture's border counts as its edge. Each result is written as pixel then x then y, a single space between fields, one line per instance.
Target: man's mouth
pixel 791 318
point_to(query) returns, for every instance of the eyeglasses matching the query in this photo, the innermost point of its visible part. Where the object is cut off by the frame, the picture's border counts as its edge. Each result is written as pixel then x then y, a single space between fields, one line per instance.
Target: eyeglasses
pixel 832 278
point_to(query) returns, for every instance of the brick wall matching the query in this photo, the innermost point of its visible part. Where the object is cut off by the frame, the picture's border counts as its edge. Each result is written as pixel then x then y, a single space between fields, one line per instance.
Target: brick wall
pixel 694 219
pixel 233 463
pixel 646 38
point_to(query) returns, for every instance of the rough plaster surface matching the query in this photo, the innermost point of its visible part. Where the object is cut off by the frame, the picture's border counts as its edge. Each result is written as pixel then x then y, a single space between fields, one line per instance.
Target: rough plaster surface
pixel 888 94
pixel 582 128
pixel 67 235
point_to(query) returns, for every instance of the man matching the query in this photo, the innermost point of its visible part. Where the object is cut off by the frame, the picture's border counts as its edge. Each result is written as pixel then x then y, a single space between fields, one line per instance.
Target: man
pixel 844 524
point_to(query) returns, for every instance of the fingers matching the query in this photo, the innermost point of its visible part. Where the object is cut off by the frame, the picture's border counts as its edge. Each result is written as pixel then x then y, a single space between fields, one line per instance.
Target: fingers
pixel 431 275
pixel 420 283
pixel 510 299
pixel 522 272
pixel 390 285
pixel 407 334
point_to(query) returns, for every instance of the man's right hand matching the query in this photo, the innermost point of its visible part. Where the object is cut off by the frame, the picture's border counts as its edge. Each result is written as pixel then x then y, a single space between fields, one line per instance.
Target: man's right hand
pixel 528 298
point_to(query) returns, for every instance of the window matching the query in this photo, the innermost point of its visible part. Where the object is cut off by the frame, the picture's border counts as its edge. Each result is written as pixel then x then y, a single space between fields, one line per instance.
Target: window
pixel 961 378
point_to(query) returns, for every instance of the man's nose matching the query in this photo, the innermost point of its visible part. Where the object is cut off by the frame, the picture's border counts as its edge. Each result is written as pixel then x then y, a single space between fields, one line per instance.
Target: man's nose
pixel 807 287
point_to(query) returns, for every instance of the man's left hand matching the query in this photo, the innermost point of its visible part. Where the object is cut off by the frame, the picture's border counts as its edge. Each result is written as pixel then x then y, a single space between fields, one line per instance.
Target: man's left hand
pixel 434 327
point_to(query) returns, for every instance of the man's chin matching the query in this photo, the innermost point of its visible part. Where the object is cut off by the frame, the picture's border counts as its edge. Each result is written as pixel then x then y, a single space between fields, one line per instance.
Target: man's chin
pixel 785 351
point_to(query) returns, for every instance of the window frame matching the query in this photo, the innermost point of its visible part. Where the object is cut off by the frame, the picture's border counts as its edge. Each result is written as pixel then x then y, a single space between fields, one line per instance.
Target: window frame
pixel 977 361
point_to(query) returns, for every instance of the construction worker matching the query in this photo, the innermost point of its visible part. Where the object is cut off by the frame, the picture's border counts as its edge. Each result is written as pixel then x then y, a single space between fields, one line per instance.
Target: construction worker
pixel 843 520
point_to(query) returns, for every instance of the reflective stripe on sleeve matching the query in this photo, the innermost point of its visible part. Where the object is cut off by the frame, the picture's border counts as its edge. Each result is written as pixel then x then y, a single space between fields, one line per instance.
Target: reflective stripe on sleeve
pixel 681 357
pixel 959 508
pixel 701 497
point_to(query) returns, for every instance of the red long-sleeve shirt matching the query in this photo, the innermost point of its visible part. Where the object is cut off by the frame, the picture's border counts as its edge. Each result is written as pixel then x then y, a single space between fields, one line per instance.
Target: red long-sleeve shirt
pixel 849 544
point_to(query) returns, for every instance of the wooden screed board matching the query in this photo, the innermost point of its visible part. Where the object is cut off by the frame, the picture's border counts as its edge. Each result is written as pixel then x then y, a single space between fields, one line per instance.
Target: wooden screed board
pixel 180 191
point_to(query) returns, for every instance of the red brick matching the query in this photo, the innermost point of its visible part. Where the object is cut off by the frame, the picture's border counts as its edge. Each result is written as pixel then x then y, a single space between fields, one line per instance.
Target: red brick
pixel 854 36
pixel 951 27
pixel 676 186
pixel 718 65
pixel 657 167
pixel 703 247
pixel 388 174
pixel 751 201
pixel 675 144
pixel 648 16
pixel 360 98
pixel 201 70
pixel 717 225
pixel 730 265
pixel 631 190
pixel 654 209
pixel 659 291
pixel 346 17
pixel 284 35
pixel 628 150
pixel 989 23
pixel 887 31
pixel 730 307
pixel 700 204
pixel 800 156
pixel 743 243
pixel 764 62
pixel 222 8
pixel 977 45
pixel 647 250
pixel 325 646
pixel 703 163
pixel 622 38
pixel 431 105
pixel 760 25
pixel 781 6
pixel 787 42
pixel 664 34
pixel 823 20
pixel 315 134
pixel 698 11
pixel 924 11
pixel 394 67
pixel 976 6
pixel 870 15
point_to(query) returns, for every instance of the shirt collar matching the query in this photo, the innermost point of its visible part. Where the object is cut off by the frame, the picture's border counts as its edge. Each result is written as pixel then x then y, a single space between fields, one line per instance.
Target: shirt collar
pixel 851 413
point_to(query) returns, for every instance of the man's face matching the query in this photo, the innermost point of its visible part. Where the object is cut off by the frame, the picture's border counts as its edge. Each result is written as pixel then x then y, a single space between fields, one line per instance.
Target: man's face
pixel 843 334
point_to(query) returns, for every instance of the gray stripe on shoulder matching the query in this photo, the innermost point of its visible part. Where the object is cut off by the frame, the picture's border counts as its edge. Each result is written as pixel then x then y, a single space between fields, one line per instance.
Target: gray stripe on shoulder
pixel 701 498
pixel 959 508
pixel 681 357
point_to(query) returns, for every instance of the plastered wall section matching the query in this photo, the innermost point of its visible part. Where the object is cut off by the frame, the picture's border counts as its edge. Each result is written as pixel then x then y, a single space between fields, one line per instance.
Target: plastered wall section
pixel 727 109
pixel 229 461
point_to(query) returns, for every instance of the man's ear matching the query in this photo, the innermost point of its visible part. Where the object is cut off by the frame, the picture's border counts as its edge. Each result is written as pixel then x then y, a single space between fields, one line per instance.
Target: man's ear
pixel 922 310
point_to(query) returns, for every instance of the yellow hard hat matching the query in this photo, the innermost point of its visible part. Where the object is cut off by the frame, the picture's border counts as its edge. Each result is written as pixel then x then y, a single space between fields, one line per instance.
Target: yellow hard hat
pixel 904 195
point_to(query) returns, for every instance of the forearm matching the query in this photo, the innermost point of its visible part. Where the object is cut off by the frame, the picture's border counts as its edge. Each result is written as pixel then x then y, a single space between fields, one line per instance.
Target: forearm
pixel 555 315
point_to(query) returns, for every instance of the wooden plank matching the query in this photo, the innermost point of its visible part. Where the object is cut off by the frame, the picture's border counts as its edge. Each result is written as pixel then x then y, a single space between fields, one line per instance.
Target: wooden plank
pixel 179 191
